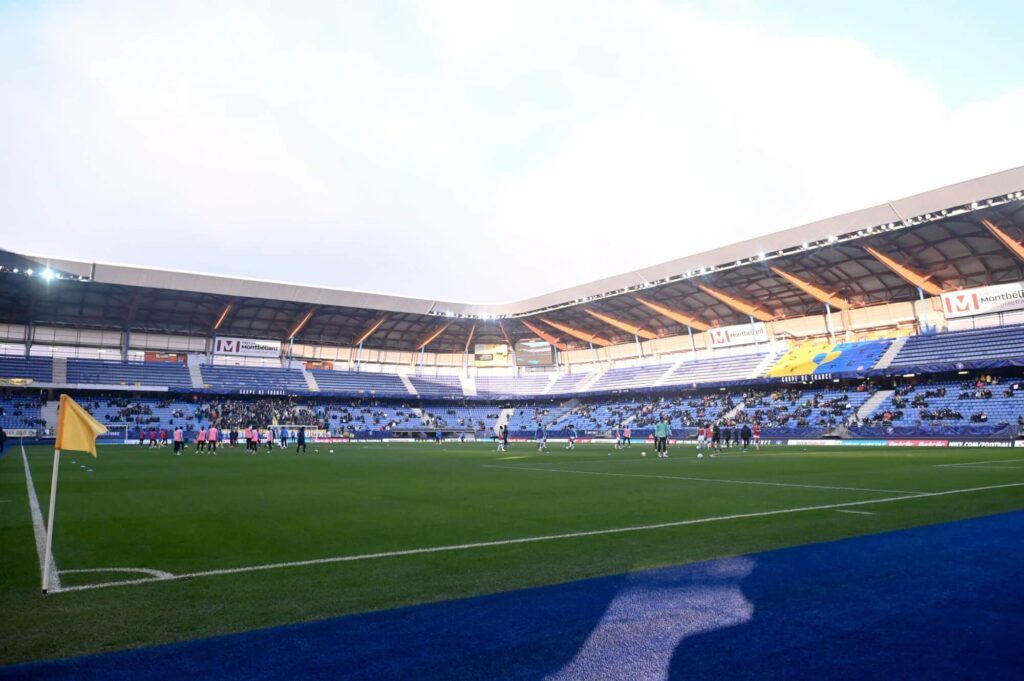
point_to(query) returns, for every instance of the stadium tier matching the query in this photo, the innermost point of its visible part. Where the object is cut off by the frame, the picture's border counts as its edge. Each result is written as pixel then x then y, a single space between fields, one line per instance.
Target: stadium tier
pixel 632 377
pixel 727 368
pixel 359 382
pixel 961 349
pixel 437 386
pixel 823 357
pixel 962 346
pixel 568 383
pixel 21 411
pixel 530 384
pixel 252 378
pixel 35 368
pixel 103 372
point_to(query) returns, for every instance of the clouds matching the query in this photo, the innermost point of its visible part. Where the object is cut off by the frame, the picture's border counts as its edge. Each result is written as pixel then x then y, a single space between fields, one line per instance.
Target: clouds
pixel 452 150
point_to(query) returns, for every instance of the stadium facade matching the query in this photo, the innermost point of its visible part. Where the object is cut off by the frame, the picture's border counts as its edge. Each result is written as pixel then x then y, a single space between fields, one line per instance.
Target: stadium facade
pixel 872 293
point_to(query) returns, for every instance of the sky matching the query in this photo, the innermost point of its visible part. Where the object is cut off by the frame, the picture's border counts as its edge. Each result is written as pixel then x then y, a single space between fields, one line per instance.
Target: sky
pixel 481 152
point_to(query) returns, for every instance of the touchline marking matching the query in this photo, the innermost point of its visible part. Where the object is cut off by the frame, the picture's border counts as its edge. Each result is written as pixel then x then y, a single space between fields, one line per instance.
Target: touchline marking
pixel 846 510
pixel 975 463
pixel 529 540
pixel 683 477
pixel 39 528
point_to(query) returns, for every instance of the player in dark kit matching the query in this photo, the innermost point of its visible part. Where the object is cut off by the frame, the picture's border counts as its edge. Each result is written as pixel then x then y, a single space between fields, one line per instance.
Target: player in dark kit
pixel 725 433
pixel 300 440
pixel 716 438
pixel 745 434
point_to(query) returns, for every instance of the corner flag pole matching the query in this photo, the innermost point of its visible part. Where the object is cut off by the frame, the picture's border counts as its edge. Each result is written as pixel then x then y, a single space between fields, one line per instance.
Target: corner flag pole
pixel 77 431
pixel 49 520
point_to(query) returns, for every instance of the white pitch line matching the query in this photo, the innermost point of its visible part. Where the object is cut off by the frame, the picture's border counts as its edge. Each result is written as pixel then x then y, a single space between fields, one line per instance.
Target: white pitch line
pixel 530 540
pixel 160 574
pixel 721 480
pixel 39 528
pixel 846 510
pixel 975 463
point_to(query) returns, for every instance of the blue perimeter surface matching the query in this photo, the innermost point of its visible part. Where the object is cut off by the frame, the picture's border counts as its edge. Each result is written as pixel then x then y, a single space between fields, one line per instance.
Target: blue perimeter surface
pixel 937 602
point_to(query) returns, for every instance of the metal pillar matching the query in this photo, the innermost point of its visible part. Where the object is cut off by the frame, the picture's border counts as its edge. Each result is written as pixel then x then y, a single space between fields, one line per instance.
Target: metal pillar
pixel 924 309
pixel 753 330
pixel 359 356
pixel 693 345
pixel 639 345
pixel 828 322
pixel 126 339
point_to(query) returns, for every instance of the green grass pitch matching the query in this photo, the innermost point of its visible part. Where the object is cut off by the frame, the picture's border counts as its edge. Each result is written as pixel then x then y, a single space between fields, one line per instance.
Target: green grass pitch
pixel 200 514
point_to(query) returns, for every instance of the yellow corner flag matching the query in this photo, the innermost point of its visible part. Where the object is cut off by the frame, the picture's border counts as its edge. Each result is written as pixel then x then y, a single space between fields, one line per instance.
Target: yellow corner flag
pixel 77 430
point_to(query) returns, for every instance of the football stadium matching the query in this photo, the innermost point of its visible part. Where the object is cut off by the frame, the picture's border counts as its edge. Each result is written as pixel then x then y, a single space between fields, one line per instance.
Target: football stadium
pixel 255 422
pixel 482 490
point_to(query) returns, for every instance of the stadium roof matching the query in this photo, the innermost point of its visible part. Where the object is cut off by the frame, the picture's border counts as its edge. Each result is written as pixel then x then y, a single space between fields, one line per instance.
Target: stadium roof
pixel 963 235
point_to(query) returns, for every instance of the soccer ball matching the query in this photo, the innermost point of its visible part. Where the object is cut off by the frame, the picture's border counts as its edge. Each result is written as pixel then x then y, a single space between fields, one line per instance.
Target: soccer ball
pixel 643 453
pixel 332 451
pixel 700 455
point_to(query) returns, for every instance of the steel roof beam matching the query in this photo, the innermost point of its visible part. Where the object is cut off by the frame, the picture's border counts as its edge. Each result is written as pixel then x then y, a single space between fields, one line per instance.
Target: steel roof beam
pixel 554 340
pixel 1015 246
pixel 622 325
pixel 578 333
pixel 674 314
pixel 906 273
pixel 813 290
pixel 739 304
pixel 432 337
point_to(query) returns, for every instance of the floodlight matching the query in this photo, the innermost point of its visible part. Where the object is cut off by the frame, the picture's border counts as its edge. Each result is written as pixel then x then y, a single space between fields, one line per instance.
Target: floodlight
pixel 48 274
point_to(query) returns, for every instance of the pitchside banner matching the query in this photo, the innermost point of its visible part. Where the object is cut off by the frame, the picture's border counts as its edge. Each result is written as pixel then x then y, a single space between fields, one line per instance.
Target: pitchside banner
pixel 741 334
pixel 246 347
pixel 984 300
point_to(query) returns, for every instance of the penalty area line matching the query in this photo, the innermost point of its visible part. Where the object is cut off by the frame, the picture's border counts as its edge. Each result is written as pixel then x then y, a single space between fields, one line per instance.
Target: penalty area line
pixel 528 540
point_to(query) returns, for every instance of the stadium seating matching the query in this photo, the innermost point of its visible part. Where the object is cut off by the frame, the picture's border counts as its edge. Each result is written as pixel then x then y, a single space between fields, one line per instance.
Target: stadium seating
pixel 802 359
pixel 530 384
pixel 962 346
pixel 97 371
pixel 855 357
pixel 727 368
pixel 437 386
pixel 631 377
pixel 252 378
pixel 359 382
pixel 36 368
pixel 20 411
pixel 567 383
pixel 959 405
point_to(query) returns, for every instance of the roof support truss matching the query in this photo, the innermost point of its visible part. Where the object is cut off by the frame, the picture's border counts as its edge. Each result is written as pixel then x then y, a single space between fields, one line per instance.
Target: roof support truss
pixel 674 314
pixel 554 340
pixel 578 333
pixel 302 323
pixel 223 316
pixel 622 325
pixel 908 274
pixel 739 304
pixel 369 331
pixel 828 297
pixel 469 339
pixel 1015 246
pixel 433 336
